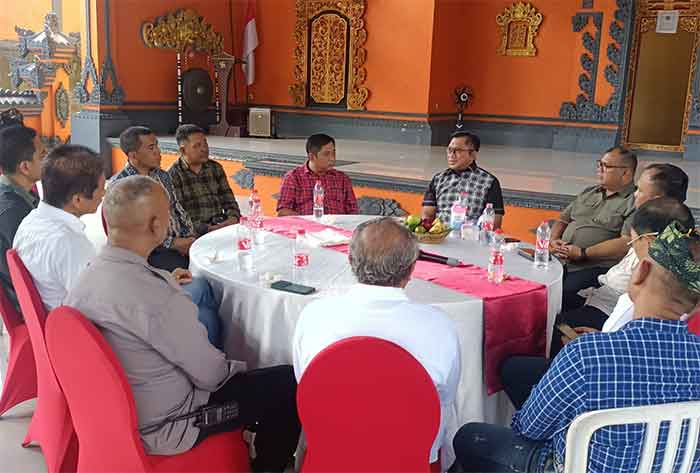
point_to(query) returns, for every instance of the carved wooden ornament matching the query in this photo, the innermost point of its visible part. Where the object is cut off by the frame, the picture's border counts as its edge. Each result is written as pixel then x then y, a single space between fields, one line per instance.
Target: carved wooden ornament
pixel 319 67
pixel 519 24
pixel 180 30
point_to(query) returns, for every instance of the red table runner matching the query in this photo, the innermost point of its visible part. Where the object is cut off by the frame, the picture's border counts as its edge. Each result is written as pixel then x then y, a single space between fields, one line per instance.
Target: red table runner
pixel 515 312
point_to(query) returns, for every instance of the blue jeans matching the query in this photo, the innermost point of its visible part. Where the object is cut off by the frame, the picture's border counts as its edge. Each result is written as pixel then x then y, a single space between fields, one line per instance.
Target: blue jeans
pixel 489 448
pixel 203 297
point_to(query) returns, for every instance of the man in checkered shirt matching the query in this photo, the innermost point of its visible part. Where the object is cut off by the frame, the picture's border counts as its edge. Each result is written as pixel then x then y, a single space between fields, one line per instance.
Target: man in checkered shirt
pixel 297 192
pixel 653 359
pixel 463 175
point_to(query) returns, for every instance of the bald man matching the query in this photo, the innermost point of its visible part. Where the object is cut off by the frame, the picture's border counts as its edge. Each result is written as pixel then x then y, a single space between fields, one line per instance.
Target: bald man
pixel 383 254
pixel 151 324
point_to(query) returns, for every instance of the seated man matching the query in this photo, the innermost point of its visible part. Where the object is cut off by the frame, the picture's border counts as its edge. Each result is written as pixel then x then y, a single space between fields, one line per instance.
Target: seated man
pixel 656 181
pixel 21 153
pixel 172 368
pixel 200 184
pixel 463 175
pixel 141 147
pixel 520 373
pixel 383 255
pixel 654 359
pixel 143 153
pixel 592 232
pixel 297 191
pixel 51 240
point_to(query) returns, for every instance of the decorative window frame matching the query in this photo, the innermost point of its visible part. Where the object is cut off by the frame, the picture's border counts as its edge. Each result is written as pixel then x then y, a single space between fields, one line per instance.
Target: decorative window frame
pixel 519 12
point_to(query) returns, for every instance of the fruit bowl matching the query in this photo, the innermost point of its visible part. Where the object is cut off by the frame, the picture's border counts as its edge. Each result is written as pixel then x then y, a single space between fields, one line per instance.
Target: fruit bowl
pixel 432 238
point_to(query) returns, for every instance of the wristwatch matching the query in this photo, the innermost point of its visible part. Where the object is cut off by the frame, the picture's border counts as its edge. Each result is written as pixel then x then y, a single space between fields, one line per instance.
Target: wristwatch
pixel 583 254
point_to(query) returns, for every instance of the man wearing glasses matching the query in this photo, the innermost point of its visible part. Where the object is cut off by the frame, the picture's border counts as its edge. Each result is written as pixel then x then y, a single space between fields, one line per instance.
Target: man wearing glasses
pixel 593 231
pixel 463 175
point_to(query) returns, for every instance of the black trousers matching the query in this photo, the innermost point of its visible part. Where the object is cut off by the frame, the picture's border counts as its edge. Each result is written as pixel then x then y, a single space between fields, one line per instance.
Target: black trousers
pixel 574 281
pixel 490 448
pixel 584 316
pixel 519 374
pixel 267 404
pixel 168 259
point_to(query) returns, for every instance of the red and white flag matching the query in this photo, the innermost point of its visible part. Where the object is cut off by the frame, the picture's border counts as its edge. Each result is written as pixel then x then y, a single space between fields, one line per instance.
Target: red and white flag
pixel 250 42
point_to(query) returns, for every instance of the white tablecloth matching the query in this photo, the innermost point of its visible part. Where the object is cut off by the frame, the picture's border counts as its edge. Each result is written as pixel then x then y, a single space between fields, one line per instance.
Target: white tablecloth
pixel 259 322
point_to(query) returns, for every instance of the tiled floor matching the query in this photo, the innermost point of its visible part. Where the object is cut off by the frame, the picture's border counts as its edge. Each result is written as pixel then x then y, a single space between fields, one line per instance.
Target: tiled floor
pixel 522 169
pixel 13 427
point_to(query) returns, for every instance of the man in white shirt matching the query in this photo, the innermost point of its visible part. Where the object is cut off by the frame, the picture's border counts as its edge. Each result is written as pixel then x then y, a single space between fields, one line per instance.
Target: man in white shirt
pixel 383 255
pixel 51 239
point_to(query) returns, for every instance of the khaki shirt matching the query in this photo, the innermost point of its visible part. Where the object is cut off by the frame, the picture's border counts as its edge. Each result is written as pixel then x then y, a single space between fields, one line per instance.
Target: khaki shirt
pixel 595 217
pixel 151 324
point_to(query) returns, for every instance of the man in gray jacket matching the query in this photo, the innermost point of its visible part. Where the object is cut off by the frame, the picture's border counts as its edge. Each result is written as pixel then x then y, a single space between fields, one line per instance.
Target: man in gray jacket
pixel 151 324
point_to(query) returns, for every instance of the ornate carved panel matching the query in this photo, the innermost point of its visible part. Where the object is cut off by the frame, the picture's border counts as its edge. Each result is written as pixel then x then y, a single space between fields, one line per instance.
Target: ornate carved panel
pixel 329 55
pixel 519 24
pixel 585 108
pixel 328 58
pixel 62 104
pixel 182 29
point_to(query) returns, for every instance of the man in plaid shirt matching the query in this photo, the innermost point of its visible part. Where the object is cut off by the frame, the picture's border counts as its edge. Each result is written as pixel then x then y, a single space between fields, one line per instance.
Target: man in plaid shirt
pixel 201 184
pixel 463 175
pixel 140 145
pixel 652 360
pixel 297 192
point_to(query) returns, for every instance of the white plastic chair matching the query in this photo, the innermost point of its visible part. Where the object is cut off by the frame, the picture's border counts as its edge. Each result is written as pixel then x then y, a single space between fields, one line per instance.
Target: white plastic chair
pixel 584 426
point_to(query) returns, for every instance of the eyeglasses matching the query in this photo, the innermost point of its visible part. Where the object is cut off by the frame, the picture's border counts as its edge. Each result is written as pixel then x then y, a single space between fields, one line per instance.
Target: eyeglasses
pixel 599 164
pixel 460 150
pixel 638 237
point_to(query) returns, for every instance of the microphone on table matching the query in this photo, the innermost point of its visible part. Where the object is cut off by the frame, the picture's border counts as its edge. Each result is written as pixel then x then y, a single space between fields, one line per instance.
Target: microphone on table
pixel 422 255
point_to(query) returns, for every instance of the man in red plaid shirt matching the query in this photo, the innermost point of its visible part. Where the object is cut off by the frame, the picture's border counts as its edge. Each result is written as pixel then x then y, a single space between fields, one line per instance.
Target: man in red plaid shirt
pixel 296 195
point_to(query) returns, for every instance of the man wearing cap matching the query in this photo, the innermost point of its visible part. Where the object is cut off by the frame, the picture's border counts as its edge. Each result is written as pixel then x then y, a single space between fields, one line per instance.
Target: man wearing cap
pixel 652 360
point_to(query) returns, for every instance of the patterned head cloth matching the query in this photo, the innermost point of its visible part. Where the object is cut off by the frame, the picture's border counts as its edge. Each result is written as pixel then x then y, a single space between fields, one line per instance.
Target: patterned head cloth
pixel 672 251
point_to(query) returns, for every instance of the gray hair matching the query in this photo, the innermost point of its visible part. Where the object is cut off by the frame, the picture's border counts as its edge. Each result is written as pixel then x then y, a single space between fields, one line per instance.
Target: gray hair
pixel 382 252
pixel 130 139
pixel 123 194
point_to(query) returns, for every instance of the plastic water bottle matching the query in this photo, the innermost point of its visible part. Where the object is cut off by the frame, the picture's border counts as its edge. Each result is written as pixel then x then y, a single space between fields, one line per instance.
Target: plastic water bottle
pixel 301 257
pixel 458 213
pixel 495 269
pixel 256 217
pixel 544 234
pixel 487 222
pixel 244 244
pixel 255 209
pixel 318 200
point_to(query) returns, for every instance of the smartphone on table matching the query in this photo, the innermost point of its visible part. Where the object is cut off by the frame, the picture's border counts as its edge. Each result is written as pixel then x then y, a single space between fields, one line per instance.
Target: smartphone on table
pixel 293 288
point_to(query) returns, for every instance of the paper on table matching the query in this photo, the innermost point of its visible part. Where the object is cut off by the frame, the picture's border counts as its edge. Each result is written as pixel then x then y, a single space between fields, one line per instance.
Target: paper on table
pixel 327 237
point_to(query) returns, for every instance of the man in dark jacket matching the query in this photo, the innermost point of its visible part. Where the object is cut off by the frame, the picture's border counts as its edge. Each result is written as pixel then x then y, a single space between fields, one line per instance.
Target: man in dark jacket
pixel 21 153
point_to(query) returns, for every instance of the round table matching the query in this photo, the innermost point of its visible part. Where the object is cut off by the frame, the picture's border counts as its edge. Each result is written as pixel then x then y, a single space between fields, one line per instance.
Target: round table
pixel 259 322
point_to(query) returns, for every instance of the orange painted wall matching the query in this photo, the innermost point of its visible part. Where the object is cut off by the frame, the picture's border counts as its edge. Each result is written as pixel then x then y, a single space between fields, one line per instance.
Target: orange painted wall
pixel 28 14
pixel 465 41
pixel 149 75
pixel 398 50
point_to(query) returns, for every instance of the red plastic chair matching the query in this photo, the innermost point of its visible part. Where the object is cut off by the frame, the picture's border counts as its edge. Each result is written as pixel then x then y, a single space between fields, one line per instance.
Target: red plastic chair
pixel 51 426
pixel 105 420
pixel 366 404
pixel 20 379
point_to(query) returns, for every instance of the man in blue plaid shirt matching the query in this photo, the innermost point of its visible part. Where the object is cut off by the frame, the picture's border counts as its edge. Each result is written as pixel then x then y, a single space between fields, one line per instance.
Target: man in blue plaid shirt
pixel 652 360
